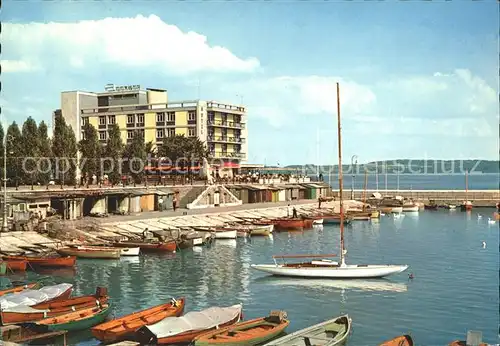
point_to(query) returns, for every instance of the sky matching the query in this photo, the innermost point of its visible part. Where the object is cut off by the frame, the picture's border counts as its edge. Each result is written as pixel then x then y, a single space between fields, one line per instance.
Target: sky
pixel 417 79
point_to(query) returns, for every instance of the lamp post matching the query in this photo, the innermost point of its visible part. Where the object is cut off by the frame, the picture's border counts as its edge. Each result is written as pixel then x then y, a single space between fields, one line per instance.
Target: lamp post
pixel 354 157
pixel 5 224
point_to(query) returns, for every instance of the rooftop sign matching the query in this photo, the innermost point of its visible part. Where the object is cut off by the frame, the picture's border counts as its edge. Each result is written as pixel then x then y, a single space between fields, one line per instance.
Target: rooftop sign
pixel 112 87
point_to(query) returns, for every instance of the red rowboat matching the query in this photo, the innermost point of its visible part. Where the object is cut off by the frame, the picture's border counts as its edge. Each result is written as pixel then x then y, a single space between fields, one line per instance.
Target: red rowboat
pixel 45 262
pixel 168 246
pixel 54 308
pixel 290 224
pixel 16 289
pixel 124 327
pixel 17 266
pixel 402 340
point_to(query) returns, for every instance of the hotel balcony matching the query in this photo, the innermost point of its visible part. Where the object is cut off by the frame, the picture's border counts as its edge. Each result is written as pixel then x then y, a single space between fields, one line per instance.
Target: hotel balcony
pixel 227 155
pixel 229 124
pixel 225 139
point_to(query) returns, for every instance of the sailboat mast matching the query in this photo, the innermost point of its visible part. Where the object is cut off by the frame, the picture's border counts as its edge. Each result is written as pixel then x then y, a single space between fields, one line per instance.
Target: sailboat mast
pixel 341 190
pixel 364 192
pixel 466 185
pixel 376 174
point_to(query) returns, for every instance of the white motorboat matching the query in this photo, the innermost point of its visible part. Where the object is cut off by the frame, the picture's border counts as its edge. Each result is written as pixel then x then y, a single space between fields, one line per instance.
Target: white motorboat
pixel 326 268
pixel 411 208
pixel 396 210
pixel 220 233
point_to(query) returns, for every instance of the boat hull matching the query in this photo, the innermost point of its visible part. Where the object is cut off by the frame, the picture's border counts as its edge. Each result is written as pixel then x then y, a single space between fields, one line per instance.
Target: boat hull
pixel 402 340
pixel 247 333
pixel 91 253
pixel 124 327
pixel 411 209
pixel 169 246
pixel 16 265
pixel 333 272
pixel 126 251
pixel 45 262
pixel 31 286
pixel 74 321
pixel 221 234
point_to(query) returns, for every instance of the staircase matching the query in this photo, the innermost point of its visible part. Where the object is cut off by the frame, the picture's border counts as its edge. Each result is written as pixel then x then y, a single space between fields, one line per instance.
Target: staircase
pixel 189 194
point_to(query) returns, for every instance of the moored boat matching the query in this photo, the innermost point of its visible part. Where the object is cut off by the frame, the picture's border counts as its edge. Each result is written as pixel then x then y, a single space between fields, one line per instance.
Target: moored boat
pixel 335 220
pixel 124 327
pixel 17 289
pixel 188 241
pixel 3 268
pixel 466 205
pixel 317 221
pixel 410 208
pixel 75 321
pixel 162 246
pixel 432 205
pixel 126 251
pixel 334 332
pixel 219 233
pixel 45 261
pixel 16 265
pixel 402 340
pixel 290 224
pixel 179 330
pixel 246 333
pixel 25 314
pixel 396 209
pixel 30 297
pixel 90 253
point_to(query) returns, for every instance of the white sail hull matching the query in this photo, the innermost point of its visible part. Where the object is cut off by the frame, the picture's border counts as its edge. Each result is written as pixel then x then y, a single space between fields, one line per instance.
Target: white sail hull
pixel 333 272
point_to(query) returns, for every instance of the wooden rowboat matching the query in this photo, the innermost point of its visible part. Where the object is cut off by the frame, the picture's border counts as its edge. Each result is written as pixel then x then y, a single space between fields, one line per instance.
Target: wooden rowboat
pixel 90 253
pixel 402 340
pixel 25 314
pixel 461 343
pixel 290 224
pixel 45 262
pixel 168 246
pixel 126 251
pixel 247 333
pixel 31 286
pixel 77 320
pixel 333 332
pixel 16 265
pixel 125 327
pixel 182 330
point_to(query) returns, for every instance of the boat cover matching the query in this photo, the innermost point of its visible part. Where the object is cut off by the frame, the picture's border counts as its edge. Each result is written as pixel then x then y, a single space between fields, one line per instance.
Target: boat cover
pixel 195 320
pixel 32 297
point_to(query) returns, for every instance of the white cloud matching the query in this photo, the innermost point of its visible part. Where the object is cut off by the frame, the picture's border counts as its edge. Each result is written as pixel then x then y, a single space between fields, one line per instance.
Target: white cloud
pixel 136 42
pixel 12 66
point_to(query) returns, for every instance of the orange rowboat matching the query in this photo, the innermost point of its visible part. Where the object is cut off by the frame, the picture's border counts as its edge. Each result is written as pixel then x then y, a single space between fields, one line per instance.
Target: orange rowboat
pixel 45 262
pixel 17 266
pixel 17 289
pixel 463 343
pixel 290 224
pixel 124 327
pixel 402 340
pixel 55 308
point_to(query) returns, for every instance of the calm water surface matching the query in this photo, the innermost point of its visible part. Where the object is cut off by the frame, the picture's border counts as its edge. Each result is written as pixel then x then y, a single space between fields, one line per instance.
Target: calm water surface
pixel 455 288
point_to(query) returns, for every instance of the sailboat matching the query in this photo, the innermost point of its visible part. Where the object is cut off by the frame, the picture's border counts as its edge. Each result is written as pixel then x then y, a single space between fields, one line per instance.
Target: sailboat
pixel 466 205
pixel 325 268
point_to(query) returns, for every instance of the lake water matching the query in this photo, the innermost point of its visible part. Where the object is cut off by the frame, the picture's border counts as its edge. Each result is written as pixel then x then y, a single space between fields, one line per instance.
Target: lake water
pixel 419 181
pixel 455 289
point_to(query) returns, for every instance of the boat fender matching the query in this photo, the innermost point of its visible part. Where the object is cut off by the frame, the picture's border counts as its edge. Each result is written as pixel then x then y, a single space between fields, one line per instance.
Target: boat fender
pixel 98 303
pixel 45 314
pixel 73 309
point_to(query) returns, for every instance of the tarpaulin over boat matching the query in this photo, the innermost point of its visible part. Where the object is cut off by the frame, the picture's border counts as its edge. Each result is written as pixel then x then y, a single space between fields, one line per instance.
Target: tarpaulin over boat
pixel 195 320
pixel 32 297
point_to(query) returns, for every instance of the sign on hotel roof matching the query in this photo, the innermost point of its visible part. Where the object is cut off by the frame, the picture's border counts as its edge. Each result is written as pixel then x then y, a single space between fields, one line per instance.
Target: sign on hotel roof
pixel 112 87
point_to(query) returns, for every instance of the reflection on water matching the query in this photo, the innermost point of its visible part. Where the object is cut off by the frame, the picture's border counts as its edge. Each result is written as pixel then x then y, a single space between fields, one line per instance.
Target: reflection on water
pixel 432 306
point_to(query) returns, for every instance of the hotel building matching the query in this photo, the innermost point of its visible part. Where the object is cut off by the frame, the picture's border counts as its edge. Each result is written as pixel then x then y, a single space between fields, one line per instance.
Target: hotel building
pixel 221 126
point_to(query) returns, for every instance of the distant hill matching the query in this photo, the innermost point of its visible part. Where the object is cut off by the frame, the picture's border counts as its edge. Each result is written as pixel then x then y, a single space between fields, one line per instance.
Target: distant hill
pixel 408 167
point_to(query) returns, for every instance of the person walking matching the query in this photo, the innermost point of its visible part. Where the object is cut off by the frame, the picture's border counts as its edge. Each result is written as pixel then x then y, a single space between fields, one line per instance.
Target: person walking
pixel 295 216
pixel 174 203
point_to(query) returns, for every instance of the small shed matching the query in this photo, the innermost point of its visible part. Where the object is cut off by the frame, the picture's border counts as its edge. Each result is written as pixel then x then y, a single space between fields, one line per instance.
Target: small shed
pixel 164 199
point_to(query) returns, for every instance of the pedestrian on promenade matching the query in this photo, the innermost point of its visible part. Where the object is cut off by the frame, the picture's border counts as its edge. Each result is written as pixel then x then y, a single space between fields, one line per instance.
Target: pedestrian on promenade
pixel 319 201
pixel 174 203
pixel 295 216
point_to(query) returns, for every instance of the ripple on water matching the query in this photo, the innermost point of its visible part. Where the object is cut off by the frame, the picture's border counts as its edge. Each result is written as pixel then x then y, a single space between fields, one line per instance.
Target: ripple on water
pixel 455 287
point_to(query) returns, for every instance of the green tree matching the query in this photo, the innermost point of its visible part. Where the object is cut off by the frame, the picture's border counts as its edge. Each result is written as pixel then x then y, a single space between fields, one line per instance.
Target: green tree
pixel 64 150
pixel 113 154
pixel 14 154
pixel 45 151
pixel 30 151
pixel 135 156
pixel 90 148
pixel 183 152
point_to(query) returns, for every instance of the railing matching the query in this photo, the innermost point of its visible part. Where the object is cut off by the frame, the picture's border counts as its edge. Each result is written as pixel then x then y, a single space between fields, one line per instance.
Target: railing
pixel 225 154
pixel 222 123
pixel 147 107
pixel 225 107
pixel 225 139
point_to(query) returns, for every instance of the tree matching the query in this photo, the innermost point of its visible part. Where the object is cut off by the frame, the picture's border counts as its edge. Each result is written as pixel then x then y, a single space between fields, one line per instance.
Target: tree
pixel 135 156
pixel 113 153
pixel 90 148
pixel 64 150
pixel 30 151
pixel 183 151
pixel 14 153
pixel 45 152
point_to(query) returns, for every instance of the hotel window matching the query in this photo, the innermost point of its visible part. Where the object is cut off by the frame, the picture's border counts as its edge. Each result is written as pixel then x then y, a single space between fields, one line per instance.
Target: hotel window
pixel 130 134
pixel 191 132
pixel 102 120
pixel 112 119
pixel 130 119
pixel 85 121
pixel 160 133
pixel 170 116
pixel 192 115
pixel 170 132
pixel 141 133
pixel 160 117
pixel 102 135
pixel 140 118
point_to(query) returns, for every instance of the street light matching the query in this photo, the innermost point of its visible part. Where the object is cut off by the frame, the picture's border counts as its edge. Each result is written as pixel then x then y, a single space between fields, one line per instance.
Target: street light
pixel 5 225
pixel 352 180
